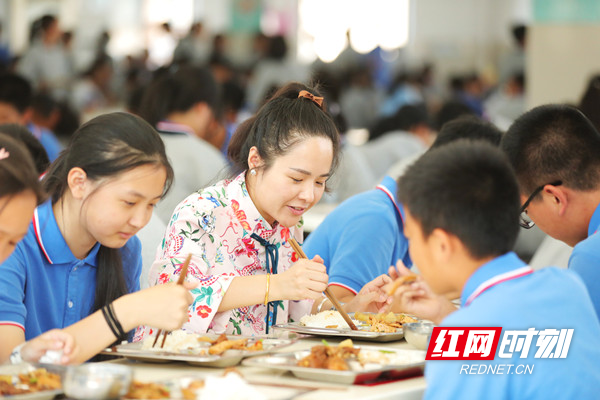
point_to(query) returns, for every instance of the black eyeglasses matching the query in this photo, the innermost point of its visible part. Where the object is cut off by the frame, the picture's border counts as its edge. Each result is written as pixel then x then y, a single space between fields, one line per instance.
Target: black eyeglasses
pixel 524 219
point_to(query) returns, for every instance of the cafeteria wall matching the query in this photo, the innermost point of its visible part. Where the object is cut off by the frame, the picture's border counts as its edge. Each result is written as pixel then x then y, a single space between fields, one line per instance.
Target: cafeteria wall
pixel 456 36
pixel 562 50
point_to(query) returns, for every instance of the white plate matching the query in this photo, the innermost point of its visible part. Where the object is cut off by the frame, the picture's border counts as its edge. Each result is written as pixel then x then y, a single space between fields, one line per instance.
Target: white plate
pixel 361 334
pixel 414 364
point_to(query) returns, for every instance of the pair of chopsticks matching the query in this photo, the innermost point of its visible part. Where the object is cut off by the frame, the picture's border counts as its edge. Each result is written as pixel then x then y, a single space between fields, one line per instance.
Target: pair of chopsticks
pixel 182 275
pixel 327 292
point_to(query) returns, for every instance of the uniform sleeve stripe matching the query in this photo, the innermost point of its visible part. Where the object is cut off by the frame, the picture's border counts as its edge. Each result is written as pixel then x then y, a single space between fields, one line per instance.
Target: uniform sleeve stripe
pixel 12 323
pixel 344 286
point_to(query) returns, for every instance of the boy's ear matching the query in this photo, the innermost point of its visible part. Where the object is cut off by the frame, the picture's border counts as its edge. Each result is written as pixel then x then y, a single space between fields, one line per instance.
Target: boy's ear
pixel 559 197
pixel 77 181
pixel 442 244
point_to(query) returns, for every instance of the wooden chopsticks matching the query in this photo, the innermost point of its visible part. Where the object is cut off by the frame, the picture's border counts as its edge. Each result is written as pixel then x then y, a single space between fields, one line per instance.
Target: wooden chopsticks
pixel 327 292
pixel 182 275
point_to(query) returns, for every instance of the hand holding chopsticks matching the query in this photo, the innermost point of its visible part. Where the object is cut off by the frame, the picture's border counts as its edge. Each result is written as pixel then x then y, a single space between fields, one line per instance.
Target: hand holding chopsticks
pixel 182 275
pixel 327 292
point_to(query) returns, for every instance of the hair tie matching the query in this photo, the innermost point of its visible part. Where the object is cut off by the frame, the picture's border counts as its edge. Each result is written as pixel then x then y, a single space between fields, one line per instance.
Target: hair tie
pixel 306 94
pixel 3 153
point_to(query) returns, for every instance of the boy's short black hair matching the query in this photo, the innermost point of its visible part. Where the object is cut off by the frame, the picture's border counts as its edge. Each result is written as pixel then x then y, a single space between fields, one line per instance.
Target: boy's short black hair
pixel 467 127
pixel 47 21
pixel 16 91
pixel 450 111
pixel 554 143
pixel 468 189
pixel 405 119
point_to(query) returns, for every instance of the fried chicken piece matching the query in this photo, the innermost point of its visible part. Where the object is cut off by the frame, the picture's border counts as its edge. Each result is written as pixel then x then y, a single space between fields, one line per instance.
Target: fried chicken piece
pixel 316 359
pixel 257 346
pixel 336 363
pixel 220 348
pixel 220 339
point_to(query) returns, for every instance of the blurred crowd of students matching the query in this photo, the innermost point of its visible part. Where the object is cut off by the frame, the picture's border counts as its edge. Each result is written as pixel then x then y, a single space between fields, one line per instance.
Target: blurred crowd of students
pixel 401 113
pixel 176 144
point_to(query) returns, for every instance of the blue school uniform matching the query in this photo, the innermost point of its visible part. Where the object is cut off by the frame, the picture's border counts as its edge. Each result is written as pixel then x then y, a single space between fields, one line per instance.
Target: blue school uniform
pixel 585 260
pixel 549 298
pixel 44 286
pixel 361 238
pixel 48 140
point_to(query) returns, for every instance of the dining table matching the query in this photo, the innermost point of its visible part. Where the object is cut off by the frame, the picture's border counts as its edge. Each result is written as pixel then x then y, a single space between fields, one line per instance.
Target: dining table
pixel 279 385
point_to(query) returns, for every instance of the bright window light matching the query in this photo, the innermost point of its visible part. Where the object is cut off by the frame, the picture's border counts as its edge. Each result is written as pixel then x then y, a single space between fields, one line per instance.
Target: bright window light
pixel 324 25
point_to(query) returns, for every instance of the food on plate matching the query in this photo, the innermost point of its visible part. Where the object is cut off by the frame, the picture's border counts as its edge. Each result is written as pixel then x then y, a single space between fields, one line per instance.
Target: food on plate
pixel 180 341
pixel 401 281
pixel 330 357
pixel 345 357
pixel 212 387
pixel 325 319
pixel 384 323
pixel 35 381
pixel 222 344
pixel 387 323
pixel 177 341
pixel 140 390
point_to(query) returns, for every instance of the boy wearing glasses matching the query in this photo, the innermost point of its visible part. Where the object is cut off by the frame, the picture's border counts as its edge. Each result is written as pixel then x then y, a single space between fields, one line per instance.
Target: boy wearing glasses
pixel 462 209
pixel 555 152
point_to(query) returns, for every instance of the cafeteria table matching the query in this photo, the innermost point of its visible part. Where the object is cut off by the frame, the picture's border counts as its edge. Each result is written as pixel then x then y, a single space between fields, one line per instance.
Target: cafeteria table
pixel 279 385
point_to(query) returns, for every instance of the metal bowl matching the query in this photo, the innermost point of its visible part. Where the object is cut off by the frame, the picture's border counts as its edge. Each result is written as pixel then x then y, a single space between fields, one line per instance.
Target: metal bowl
pixel 418 334
pixel 97 381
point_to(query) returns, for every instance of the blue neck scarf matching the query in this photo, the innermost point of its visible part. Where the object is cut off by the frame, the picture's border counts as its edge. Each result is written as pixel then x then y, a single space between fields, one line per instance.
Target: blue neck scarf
pixel 272 261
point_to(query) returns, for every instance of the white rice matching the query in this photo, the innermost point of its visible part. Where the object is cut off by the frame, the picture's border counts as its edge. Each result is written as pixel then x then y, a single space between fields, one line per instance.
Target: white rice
pixel 177 341
pixel 325 319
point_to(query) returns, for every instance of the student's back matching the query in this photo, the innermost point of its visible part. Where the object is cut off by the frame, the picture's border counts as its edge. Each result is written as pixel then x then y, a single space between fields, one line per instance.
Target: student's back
pixel 197 165
pixel 521 304
pixel 361 238
pixel 183 106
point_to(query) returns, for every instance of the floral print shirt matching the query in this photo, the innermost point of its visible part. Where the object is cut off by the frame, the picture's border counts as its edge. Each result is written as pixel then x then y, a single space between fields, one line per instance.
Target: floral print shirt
pixel 215 224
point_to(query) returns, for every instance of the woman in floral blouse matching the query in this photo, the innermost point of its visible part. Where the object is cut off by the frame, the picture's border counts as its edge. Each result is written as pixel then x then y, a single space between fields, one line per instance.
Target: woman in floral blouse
pixel 238 230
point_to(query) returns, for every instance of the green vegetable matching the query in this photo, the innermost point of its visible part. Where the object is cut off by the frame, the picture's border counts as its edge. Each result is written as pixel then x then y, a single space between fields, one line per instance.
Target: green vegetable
pixel 387 351
pixel 325 342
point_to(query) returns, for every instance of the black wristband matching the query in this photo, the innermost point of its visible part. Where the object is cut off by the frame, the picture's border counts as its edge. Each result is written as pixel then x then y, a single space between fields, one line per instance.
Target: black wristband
pixel 109 321
pixel 113 316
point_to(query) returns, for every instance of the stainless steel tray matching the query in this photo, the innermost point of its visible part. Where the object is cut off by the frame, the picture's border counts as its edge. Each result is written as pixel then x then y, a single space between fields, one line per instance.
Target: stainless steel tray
pixel 362 334
pixel 175 385
pixel 24 368
pixel 230 358
pixel 414 365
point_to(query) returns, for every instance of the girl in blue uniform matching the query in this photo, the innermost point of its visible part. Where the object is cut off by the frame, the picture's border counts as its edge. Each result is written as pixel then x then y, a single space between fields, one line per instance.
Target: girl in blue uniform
pixel 79 257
